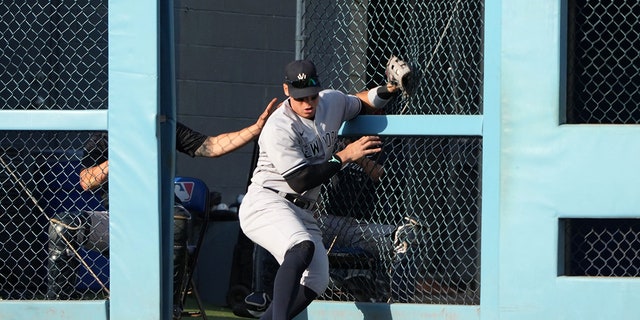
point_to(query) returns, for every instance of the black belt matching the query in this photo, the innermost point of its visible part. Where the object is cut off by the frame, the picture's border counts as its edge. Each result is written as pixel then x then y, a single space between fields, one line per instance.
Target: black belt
pixel 298 200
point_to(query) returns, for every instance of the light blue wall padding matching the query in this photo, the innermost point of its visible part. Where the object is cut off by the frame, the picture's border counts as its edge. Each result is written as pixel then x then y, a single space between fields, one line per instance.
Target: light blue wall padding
pixel 551 171
pixel 131 120
pixel 327 310
pixel 438 125
pixel 136 276
pixel 53 120
pixel 491 162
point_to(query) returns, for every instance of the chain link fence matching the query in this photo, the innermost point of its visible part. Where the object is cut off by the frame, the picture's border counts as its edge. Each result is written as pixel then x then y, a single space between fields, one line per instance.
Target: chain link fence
pixel 351 42
pixel 603 60
pixel 53 56
pixel 39 177
pixel 412 233
pixel 601 247
pixel 413 236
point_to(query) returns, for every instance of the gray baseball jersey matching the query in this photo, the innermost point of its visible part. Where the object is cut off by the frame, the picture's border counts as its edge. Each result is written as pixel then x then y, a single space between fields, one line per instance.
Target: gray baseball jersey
pixel 288 141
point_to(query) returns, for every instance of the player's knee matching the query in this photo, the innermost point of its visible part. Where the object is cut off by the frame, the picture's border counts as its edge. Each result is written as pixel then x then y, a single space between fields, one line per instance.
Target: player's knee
pixel 317 280
pixel 303 251
pixel 321 284
pixel 318 276
pixel 64 226
pixel 71 220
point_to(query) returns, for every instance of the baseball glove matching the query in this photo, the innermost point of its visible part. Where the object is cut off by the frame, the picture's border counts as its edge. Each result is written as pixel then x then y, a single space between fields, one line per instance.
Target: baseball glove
pixel 398 73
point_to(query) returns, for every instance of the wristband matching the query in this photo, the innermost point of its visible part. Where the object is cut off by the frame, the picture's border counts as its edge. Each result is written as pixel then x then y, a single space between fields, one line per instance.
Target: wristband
pixel 379 96
pixel 384 93
pixel 335 159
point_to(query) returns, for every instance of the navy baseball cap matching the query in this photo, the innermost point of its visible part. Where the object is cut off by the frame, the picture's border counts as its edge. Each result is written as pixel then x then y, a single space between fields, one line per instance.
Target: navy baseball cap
pixel 302 79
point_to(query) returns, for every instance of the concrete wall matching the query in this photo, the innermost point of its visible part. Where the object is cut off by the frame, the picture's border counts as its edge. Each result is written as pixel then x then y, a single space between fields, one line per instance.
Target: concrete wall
pixel 230 57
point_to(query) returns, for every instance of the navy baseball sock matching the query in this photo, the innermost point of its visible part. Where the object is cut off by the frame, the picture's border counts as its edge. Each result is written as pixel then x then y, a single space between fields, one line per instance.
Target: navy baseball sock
pixel 303 299
pixel 286 284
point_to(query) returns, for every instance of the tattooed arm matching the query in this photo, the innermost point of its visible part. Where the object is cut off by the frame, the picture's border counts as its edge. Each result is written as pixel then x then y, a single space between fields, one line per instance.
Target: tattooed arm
pixel 215 146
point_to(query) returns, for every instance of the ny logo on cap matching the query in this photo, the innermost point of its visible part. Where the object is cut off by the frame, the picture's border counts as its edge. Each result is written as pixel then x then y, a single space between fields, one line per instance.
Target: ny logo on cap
pixel 302 76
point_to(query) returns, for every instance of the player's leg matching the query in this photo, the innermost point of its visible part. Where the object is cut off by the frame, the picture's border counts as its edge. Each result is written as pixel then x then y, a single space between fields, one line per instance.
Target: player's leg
pixel 303 298
pixel 64 230
pixel 316 278
pixel 287 282
pixel 277 225
pixel 264 271
pixel 313 280
pixel 375 238
pixel 98 233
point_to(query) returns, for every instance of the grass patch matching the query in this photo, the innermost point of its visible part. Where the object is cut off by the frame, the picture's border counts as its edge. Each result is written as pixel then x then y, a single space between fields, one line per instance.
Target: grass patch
pixel 213 312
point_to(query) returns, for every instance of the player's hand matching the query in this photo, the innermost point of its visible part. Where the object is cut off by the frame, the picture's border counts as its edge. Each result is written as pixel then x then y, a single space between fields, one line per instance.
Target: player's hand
pixel 267 113
pixel 362 147
pixel 392 87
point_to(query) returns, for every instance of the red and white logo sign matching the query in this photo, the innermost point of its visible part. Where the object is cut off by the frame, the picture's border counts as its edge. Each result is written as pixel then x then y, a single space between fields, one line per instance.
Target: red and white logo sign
pixel 183 190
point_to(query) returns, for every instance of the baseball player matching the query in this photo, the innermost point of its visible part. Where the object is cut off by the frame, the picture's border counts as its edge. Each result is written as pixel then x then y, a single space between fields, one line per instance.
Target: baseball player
pixel 90 229
pixel 297 153
pixel 339 228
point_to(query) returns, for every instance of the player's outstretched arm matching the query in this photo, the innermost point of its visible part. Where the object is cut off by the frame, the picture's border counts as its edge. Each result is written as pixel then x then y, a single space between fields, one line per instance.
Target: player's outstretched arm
pixel 215 146
pixel 92 177
pixel 377 98
pixel 398 75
